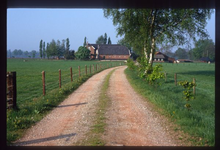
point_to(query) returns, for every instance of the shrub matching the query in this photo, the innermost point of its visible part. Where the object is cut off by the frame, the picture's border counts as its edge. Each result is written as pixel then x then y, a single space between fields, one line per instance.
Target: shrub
pixel 131 64
pixel 155 75
pixel 188 93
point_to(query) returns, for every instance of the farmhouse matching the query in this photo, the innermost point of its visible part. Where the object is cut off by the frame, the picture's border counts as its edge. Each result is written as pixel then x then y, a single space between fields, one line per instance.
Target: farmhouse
pixel 184 60
pixel 160 57
pixel 108 51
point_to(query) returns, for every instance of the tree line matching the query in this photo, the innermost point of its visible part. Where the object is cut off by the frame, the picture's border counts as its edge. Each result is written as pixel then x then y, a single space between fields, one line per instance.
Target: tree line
pixel 56 49
pixel 18 53
pixel 202 48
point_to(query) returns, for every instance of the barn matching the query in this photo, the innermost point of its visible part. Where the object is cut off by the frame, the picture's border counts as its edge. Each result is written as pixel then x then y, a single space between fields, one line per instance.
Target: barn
pixel 108 51
pixel 160 57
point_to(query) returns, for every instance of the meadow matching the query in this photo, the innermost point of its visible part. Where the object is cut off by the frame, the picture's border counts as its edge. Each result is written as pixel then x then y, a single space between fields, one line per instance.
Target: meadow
pixel 32 105
pixel 199 122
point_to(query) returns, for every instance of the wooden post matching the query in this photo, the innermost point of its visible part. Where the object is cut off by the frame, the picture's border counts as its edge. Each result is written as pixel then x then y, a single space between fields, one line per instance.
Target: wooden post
pixel 89 69
pixel 194 87
pixel 43 82
pixel 71 74
pixel 79 70
pixel 86 69
pixel 11 90
pixel 59 78
pixel 175 78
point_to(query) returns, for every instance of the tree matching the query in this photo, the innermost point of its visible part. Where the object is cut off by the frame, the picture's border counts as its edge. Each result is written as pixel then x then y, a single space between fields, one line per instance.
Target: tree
pixel 204 48
pixel 181 53
pixel 44 50
pixel 84 44
pixel 82 53
pixel 109 40
pixel 26 53
pixel 148 27
pixel 105 38
pixel 41 48
pixel 15 52
pixel 48 52
pixel 33 53
pixel 66 55
pixel 100 40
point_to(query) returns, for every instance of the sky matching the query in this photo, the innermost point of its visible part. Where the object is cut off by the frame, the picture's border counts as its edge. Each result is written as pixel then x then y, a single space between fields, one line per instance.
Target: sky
pixel 26 27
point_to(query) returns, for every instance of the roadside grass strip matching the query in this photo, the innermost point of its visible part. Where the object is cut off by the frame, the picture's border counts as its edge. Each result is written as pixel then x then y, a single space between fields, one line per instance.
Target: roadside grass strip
pixel 97 130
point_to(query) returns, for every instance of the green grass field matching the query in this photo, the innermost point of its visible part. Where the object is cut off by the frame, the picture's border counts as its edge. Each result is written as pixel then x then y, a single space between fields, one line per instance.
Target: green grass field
pixel 32 105
pixel 200 121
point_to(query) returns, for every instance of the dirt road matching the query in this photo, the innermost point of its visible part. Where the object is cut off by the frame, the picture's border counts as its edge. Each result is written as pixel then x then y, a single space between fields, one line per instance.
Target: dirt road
pixel 130 119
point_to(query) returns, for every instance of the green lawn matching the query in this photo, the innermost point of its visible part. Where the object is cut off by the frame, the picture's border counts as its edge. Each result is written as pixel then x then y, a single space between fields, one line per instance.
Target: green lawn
pixel 200 121
pixel 32 105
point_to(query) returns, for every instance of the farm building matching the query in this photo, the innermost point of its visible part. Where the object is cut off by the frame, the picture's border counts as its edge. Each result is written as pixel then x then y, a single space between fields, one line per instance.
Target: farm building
pixel 108 51
pixel 184 60
pixel 205 59
pixel 160 57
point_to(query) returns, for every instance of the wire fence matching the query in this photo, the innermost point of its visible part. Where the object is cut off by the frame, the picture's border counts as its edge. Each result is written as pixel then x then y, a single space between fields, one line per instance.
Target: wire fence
pixel 34 87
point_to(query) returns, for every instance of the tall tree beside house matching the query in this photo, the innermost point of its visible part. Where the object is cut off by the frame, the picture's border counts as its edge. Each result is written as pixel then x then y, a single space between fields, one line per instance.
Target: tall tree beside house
pixel 109 40
pixel 44 50
pixel 105 38
pixel 84 43
pixel 67 48
pixel 100 40
pixel 82 53
pixel 41 48
pixel 147 27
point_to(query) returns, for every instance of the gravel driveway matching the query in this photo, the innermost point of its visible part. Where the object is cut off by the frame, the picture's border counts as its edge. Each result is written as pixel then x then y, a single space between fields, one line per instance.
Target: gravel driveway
pixel 131 120
pixel 69 122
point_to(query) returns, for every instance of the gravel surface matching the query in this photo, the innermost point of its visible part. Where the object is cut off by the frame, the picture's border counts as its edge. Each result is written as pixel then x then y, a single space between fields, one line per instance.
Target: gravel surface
pixel 131 121
pixel 71 120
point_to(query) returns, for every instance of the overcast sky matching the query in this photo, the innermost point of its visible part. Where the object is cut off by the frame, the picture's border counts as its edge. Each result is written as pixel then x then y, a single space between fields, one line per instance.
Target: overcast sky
pixel 26 27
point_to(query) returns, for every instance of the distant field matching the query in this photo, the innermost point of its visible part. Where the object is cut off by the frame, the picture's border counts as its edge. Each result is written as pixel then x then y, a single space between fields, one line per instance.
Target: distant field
pixel 200 121
pixel 29 76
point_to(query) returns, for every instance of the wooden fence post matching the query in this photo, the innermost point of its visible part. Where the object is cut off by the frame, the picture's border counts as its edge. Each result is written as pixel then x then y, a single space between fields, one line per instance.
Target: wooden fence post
pixel 43 82
pixel 71 74
pixel 86 69
pixel 59 78
pixel 79 70
pixel 175 78
pixel 194 87
pixel 12 90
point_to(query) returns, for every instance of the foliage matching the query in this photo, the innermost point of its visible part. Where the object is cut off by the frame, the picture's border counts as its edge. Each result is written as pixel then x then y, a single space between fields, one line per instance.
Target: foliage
pixel 44 50
pixel 100 40
pixel 84 43
pixel 109 40
pixel 188 91
pixel 33 53
pixel 82 53
pixel 147 27
pixel 131 64
pixel 143 66
pixel 41 48
pixel 181 53
pixel 204 48
pixel 103 39
pixel 155 75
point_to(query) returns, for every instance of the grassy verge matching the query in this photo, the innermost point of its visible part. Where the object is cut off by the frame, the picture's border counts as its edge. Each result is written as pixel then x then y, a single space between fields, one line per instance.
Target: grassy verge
pixel 94 136
pixel 33 111
pixel 199 122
